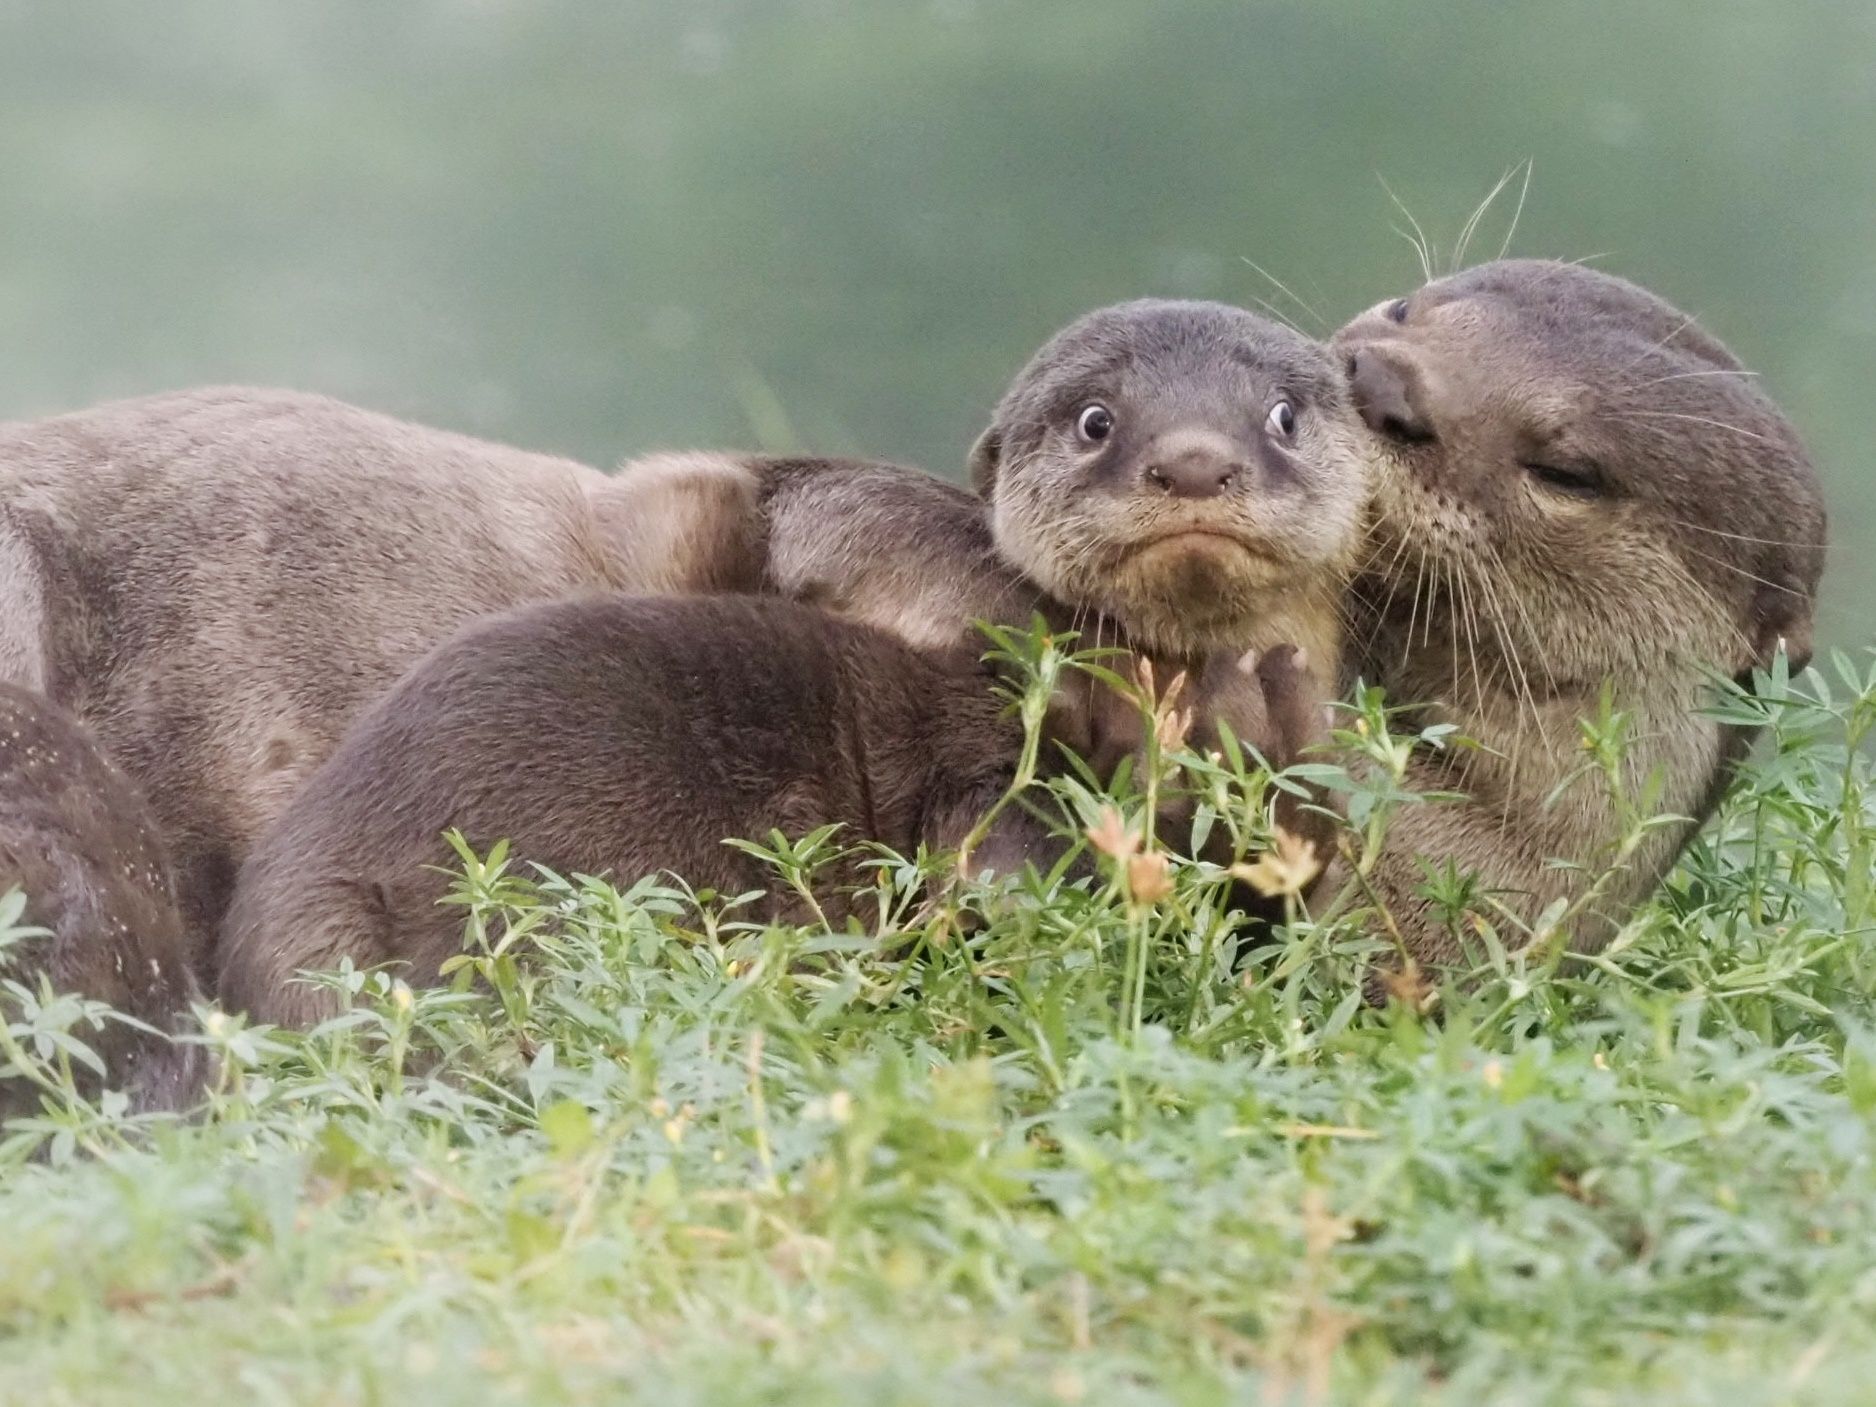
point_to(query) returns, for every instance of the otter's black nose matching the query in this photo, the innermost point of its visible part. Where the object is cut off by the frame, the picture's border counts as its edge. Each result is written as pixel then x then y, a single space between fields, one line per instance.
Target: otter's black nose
pixel 1388 396
pixel 1196 473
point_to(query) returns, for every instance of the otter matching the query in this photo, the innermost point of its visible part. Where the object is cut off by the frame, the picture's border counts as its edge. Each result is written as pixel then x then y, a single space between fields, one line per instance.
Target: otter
pixel 216 582
pixel 1579 489
pixel 627 736
pixel 81 843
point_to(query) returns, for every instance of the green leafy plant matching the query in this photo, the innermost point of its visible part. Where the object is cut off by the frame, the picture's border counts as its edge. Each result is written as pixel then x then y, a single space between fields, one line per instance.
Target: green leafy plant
pixel 1031 1140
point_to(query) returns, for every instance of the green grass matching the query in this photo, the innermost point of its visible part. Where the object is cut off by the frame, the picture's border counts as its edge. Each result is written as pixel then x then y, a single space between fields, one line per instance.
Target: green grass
pixel 1029 1148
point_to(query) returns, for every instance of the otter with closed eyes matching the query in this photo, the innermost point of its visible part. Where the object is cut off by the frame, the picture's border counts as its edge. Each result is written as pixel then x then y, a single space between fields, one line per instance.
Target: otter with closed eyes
pixel 1579 489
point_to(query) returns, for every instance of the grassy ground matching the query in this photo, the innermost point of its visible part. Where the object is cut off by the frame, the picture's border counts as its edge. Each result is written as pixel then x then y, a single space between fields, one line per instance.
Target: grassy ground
pixel 1076 1156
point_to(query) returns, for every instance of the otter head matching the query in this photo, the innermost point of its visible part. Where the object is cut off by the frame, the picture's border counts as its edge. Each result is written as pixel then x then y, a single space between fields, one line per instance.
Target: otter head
pixel 1184 470
pixel 1582 478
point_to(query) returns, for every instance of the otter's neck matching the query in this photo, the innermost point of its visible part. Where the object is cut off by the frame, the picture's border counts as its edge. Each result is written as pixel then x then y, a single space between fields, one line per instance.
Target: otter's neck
pixel 1532 783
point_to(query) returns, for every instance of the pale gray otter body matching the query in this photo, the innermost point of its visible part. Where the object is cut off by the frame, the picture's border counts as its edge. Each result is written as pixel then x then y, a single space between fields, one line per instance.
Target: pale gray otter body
pixel 628 736
pixel 79 840
pixel 217 581
pixel 1579 488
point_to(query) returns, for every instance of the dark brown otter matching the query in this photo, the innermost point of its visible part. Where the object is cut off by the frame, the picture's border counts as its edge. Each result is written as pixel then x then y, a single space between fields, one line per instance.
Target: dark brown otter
pixel 628 736
pixel 1580 489
pixel 80 842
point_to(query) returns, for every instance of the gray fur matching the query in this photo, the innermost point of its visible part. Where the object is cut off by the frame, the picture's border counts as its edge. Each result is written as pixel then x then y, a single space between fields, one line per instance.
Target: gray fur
pixel 1503 605
pixel 217 581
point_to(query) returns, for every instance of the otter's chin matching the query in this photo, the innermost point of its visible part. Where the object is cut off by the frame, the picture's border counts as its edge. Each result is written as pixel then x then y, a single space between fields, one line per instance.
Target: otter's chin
pixel 1193 592
pixel 1197 564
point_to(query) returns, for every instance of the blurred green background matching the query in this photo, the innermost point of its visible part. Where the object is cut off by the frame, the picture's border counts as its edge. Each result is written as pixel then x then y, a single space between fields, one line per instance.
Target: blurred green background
pixel 600 228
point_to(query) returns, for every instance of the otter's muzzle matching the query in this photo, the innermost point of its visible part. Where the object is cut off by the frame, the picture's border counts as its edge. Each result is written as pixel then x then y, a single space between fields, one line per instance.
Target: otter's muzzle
pixel 1389 396
pixel 1193 464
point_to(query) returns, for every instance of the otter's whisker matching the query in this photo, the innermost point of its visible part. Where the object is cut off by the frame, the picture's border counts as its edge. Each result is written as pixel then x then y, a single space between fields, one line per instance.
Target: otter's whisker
pixel 1413 615
pixel 1695 419
pixel 1691 375
pixel 1751 576
pixel 1419 237
pixel 1278 314
pixel 1472 224
pixel 1686 322
pixel 1287 291
pixel 1742 537
pixel 1508 653
pixel 1529 166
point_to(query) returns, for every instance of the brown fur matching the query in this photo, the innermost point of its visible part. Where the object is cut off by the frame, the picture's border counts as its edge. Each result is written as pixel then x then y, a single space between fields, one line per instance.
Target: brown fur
pixel 1674 526
pixel 217 581
pixel 1262 562
pixel 611 735
pixel 82 844
pixel 628 736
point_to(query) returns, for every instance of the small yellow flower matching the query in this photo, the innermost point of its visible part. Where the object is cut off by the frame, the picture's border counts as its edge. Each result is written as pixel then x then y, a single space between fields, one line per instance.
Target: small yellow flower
pixel 1493 1074
pixel 1143 674
pixel 1171 726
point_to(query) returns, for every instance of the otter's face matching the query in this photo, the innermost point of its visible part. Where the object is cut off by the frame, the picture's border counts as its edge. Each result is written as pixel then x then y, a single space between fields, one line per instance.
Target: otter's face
pixel 1177 467
pixel 1581 478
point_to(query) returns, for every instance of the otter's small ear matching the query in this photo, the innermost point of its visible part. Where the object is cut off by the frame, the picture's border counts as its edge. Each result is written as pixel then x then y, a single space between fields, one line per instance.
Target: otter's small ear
pixel 986 459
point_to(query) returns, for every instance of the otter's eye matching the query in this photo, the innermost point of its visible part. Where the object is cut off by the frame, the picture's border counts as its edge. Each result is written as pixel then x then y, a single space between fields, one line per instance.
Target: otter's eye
pixel 1396 311
pixel 1575 481
pixel 1095 424
pixel 1281 421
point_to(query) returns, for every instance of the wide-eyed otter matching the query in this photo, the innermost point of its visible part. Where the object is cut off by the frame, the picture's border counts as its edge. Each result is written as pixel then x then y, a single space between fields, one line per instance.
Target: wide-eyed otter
pixel 79 840
pixel 1580 489
pixel 216 582
pixel 631 735
pixel 1183 477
